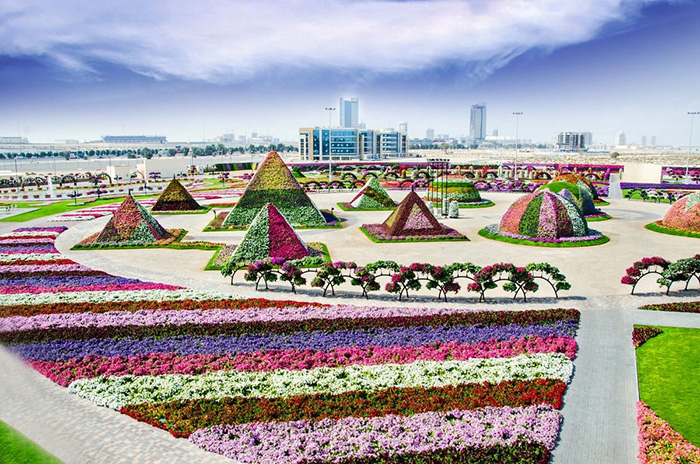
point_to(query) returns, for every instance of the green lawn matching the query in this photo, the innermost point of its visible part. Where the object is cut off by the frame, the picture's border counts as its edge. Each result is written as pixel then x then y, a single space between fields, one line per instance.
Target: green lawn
pixel 668 367
pixel 15 448
pixel 61 207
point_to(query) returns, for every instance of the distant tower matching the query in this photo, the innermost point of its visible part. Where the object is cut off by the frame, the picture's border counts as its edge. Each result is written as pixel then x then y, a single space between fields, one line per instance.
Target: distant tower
pixel 621 139
pixel 495 133
pixel 430 133
pixel 653 140
pixel 403 127
pixel 644 140
pixel 477 122
pixel 349 112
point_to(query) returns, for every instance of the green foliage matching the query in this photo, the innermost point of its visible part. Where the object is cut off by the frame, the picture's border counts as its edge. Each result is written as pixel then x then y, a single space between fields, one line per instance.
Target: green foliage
pixel 658 227
pixel 15 448
pixel 486 234
pixel 667 367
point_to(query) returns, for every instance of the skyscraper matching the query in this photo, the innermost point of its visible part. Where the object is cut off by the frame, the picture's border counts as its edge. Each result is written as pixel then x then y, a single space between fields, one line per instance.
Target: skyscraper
pixel 621 139
pixel 349 112
pixel 430 133
pixel 644 140
pixel 653 140
pixel 403 127
pixel 477 122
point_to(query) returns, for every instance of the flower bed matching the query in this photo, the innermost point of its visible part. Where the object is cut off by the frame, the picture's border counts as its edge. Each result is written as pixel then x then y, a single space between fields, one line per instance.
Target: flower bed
pixel 681 307
pixel 492 231
pixel 641 334
pixel 658 226
pixel 659 443
pixel 356 384
pixel 378 234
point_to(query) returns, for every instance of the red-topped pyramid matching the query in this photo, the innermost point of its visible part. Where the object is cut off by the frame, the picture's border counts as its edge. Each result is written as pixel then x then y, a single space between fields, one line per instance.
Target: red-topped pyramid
pixel 131 223
pixel 412 217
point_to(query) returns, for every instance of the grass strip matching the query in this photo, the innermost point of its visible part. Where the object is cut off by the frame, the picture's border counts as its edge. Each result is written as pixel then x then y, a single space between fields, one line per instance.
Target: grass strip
pixel 15 448
pixel 668 367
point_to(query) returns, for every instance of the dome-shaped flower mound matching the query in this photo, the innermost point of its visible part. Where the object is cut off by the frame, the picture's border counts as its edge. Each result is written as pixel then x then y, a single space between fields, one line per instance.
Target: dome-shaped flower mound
pixel 544 215
pixel 577 179
pixel 579 194
pixel 461 190
pixel 684 214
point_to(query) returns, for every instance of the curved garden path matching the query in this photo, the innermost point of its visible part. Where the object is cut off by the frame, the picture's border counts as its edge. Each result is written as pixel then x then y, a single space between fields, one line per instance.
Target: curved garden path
pixel 599 411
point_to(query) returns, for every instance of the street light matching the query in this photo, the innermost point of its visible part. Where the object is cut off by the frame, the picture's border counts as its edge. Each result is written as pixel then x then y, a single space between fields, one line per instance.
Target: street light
pixel 330 133
pixel 515 165
pixel 690 144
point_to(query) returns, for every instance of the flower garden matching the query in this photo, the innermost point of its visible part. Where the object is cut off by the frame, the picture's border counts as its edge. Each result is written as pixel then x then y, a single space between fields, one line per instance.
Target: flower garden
pixel 682 218
pixel 423 380
pixel 251 378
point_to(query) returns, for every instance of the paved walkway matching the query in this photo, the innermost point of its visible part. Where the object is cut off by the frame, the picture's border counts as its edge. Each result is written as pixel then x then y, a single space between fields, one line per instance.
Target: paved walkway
pixel 599 412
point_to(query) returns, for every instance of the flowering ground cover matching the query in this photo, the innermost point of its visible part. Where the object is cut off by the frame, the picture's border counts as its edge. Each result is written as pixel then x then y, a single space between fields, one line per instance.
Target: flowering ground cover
pixel 254 379
pixel 659 442
pixel 175 198
pixel 667 369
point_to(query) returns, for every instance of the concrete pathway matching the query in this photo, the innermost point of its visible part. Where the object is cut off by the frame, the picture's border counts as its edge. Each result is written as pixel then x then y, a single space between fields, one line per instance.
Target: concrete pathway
pixel 599 412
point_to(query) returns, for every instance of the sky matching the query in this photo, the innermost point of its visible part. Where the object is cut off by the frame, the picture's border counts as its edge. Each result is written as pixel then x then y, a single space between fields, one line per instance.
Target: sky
pixel 80 69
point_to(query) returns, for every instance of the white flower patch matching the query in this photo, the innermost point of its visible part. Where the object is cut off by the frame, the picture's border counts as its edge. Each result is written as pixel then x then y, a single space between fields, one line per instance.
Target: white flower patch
pixel 110 296
pixel 117 391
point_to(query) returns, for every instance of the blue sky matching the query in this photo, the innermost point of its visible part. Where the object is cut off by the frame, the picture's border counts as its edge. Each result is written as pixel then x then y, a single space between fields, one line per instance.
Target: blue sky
pixel 189 70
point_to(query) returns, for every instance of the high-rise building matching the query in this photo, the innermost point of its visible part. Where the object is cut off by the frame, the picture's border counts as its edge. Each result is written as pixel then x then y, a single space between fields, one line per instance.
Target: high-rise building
pixel 430 133
pixel 403 127
pixel 495 133
pixel 349 112
pixel 644 140
pixel 477 122
pixel 620 139
pixel 653 140
pixel 573 141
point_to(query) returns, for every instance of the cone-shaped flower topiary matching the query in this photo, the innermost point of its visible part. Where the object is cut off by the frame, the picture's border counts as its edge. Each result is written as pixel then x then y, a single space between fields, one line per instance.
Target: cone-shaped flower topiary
pixel 577 179
pixel 579 194
pixel 544 215
pixel 176 198
pixel 131 224
pixel 684 214
pixel 412 217
pixel 274 183
pixel 269 236
pixel 372 196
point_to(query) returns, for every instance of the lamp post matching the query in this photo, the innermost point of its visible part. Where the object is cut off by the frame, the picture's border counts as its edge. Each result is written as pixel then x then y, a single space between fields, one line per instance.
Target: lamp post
pixel 515 165
pixel 330 133
pixel 690 144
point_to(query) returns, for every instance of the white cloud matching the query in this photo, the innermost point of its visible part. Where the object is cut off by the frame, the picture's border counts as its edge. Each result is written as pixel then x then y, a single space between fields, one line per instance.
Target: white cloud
pixel 221 41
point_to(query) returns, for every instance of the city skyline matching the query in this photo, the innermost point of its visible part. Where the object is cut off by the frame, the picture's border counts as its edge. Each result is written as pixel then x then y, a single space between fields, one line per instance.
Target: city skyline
pixel 83 70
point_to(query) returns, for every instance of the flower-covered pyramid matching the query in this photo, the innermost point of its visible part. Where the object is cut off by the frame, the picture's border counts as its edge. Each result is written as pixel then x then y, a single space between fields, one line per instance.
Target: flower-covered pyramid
pixel 461 190
pixel 176 198
pixel 579 194
pixel 684 214
pixel 577 179
pixel 274 183
pixel 269 236
pixel 131 224
pixel 412 217
pixel 372 196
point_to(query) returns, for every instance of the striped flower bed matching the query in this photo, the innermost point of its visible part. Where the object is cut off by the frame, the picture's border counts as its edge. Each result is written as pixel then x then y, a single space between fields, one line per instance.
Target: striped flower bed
pixel 287 382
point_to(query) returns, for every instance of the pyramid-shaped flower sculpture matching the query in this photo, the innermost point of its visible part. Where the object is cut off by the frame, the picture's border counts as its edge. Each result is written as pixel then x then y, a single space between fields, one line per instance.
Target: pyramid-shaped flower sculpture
pixel 684 214
pixel 176 198
pixel 274 183
pixel 372 196
pixel 411 221
pixel 269 236
pixel 461 190
pixel 131 224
